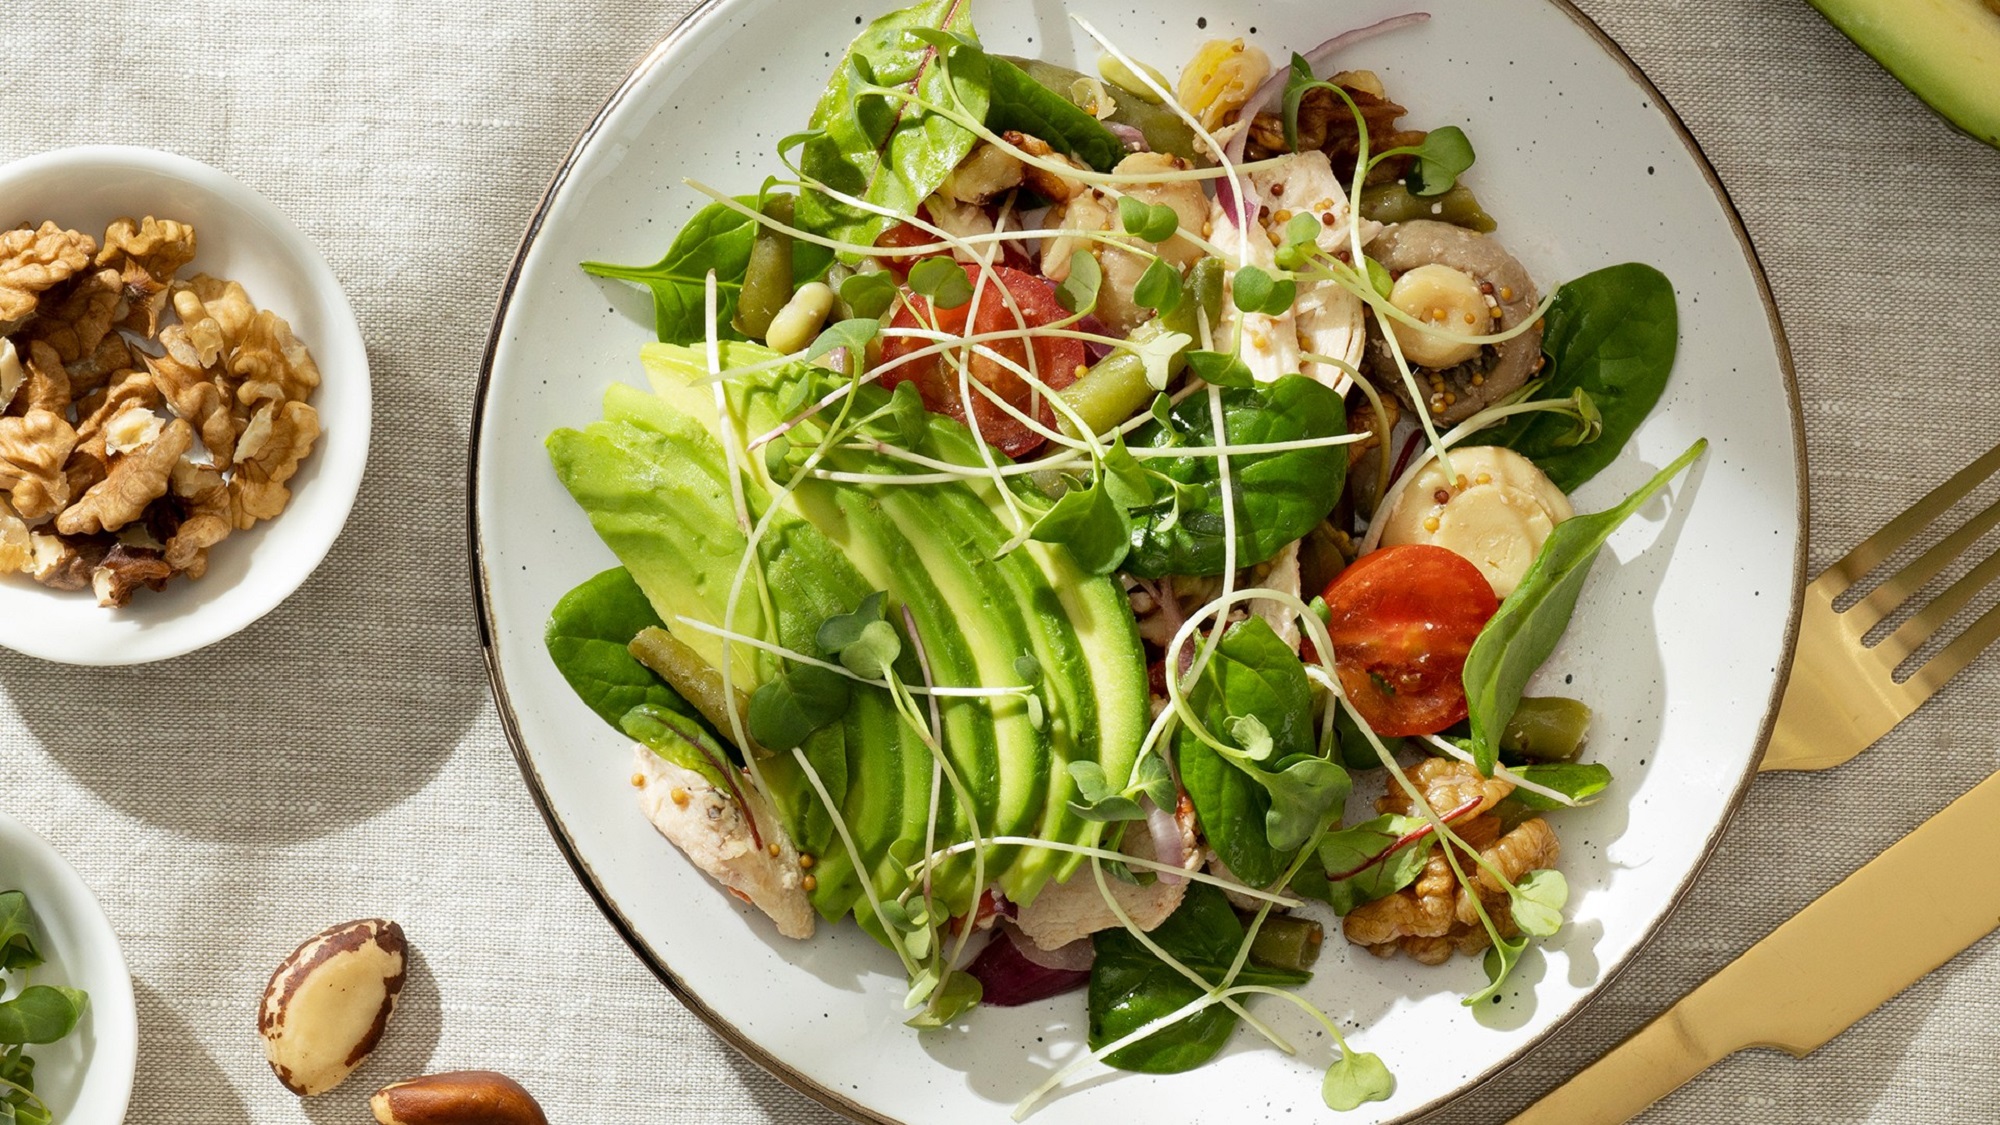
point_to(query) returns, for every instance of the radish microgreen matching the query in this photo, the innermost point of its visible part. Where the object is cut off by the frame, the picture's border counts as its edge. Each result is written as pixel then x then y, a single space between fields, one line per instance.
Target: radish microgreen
pixel 851 334
pixel 1159 288
pixel 1150 222
pixel 1254 290
pixel 943 281
pixel 1078 292
pixel 869 294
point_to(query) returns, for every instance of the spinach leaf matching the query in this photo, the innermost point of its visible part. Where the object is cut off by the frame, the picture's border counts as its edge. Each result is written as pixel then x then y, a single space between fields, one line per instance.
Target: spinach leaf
pixel 1368 861
pixel 887 151
pixel 1522 633
pixel 1019 102
pixel 41 1014
pixel 1578 782
pixel 1611 334
pixel 587 637
pixel 1163 129
pixel 1253 673
pixel 1129 987
pixel 1280 496
pixel 680 740
pixel 17 934
pixel 718 239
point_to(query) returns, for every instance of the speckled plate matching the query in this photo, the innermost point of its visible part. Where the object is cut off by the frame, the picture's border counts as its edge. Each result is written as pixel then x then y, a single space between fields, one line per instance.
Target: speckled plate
pixel 1680 642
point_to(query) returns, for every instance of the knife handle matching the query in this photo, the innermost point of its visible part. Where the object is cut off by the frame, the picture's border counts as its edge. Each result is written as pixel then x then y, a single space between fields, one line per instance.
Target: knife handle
pixel 1655 1061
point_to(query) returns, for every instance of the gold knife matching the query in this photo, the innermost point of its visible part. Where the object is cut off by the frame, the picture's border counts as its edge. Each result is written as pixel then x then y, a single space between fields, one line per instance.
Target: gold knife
pixel 1840 958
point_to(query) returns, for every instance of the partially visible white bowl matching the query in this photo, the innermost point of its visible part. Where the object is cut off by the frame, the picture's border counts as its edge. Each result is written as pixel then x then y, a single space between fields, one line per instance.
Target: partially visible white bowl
pixel 86 1078
pixel 242 236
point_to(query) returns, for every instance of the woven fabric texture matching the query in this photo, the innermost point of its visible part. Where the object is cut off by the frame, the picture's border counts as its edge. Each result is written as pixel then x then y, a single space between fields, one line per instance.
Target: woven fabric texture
pixel 342 758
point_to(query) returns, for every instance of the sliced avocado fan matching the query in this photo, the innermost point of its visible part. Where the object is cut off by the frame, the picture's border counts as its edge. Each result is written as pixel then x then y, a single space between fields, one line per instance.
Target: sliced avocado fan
pixel 653 477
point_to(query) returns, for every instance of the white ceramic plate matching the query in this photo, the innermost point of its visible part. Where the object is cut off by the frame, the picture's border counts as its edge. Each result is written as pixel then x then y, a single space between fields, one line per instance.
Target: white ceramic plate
pixel 86 1078
pixel 241 236
pixel 1679 643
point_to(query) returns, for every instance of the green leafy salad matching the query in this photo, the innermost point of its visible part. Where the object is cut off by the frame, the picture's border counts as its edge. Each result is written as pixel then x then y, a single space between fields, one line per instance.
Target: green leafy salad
pixel 1059 499
pixel 32 1014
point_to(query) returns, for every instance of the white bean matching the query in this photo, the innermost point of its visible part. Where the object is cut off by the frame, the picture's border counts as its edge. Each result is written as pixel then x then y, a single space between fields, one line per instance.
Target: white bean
pixel 799 321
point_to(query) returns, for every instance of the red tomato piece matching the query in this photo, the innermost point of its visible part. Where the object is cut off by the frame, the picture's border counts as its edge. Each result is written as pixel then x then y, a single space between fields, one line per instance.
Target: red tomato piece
pixel 1057 360
pixel 901 235
pixel 1402 620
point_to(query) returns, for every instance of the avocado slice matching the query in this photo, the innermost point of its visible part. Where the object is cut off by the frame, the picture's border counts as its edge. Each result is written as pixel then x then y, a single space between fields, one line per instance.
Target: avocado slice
pixel 1946 51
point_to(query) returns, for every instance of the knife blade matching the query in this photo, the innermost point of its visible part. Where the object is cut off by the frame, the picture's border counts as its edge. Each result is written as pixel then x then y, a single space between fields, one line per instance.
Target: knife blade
pixel 1880 930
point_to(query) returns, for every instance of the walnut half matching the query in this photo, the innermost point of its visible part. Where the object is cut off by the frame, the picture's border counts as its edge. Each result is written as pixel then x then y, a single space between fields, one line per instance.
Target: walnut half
pixel 1436 916
pixel 124 570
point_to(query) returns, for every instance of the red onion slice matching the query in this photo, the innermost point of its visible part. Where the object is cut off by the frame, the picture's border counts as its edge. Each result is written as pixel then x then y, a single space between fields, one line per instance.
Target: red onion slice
pixel 1169 846
pixel 1318 57
pixel 1134 140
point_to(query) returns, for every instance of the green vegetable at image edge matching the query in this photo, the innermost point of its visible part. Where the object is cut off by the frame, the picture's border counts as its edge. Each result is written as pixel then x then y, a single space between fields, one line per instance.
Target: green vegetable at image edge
pixel 38 1014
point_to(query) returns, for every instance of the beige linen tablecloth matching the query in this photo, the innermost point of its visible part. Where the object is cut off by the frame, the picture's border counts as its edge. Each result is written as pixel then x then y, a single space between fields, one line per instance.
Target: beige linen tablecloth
pixel 342 758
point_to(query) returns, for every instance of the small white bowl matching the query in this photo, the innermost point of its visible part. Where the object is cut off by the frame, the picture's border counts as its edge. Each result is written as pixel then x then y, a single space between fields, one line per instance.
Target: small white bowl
pixel 241 236
pixel 86 1078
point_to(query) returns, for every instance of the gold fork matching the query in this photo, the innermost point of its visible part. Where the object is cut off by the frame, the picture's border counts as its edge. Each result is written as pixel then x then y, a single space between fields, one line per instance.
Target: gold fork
pixel 1843 695
pixel 1849 951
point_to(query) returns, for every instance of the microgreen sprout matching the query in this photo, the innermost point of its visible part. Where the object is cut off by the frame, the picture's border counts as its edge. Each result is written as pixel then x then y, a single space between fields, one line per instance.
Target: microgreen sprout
pixel 1150 222
pixel 1078 292
pixel 1159 288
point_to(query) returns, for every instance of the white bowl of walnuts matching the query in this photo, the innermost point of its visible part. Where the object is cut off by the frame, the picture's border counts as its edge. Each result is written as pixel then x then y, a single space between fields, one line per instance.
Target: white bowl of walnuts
pixel 184 406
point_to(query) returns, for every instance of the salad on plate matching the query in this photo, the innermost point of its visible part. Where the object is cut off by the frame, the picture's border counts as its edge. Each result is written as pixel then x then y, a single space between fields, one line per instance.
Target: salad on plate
pixel 1096 531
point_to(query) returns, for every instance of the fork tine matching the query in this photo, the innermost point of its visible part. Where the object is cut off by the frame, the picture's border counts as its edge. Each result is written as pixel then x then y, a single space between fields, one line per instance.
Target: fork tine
pixel 1912 634
pixel 1872 550
pixel 1883 599
pixel 1956 655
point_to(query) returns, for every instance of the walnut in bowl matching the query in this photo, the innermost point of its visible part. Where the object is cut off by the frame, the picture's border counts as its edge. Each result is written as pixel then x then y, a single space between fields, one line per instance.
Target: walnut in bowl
pixel 184 406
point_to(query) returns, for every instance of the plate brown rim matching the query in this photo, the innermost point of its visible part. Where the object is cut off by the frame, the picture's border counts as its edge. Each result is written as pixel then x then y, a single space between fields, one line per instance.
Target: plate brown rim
pixel 834 1099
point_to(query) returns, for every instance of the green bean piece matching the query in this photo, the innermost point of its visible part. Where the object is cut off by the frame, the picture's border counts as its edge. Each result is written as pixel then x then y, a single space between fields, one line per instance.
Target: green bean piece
pixel 1286 942
pixel 1163 129
pixel 686 672
pixel 1116 388
pixel 767 280
pixel 1393 203
pixel 1547 729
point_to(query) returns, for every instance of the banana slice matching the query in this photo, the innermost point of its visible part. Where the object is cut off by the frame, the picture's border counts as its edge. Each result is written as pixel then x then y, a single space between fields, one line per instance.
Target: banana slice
pixel 1496 514
pixel 1443 298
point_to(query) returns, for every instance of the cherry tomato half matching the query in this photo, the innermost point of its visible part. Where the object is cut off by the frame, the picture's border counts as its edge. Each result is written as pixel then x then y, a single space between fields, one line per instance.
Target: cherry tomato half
pixel 1402 620
pixel 904 234
pixel 1056 359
